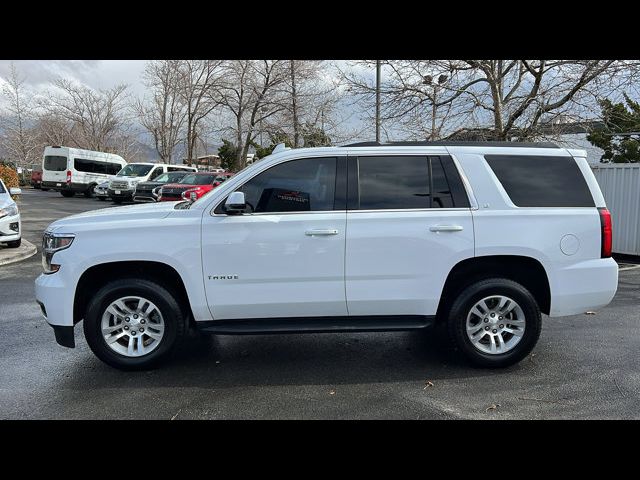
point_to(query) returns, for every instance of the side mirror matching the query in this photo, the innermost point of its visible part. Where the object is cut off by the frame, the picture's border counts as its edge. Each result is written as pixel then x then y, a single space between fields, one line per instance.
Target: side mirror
pixel 15 191
pixel 235 203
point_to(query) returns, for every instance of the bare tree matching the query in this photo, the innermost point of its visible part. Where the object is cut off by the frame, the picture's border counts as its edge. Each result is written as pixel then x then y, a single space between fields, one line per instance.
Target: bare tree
pixel 19 139
pixel 252 93
pixel 199 82
pixel 53 130
pixel 164 114
pixel 511 98
pixel 95 116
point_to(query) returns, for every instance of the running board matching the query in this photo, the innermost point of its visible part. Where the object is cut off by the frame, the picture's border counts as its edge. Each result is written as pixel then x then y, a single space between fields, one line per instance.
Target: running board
pixel 253 326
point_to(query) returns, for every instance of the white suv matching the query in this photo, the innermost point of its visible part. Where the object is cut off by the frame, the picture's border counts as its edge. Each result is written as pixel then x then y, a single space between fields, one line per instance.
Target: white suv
pixel 481 236
pixel 122 187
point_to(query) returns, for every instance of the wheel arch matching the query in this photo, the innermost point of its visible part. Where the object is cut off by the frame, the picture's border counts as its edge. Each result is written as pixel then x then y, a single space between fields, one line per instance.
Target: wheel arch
pixel 527 271
pixel 97 275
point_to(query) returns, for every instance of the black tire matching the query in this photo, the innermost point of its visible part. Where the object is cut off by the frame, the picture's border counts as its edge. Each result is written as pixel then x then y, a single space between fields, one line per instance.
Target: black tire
pixel 469 296
pixel 15 243
pixel 101 199
pixel 89 191
pixel 66 193
pixel 175 322
pixel 117 201
pixel 44 189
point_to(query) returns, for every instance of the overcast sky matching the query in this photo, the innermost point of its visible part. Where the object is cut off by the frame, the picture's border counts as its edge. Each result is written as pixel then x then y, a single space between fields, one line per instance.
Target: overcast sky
pixel 94 73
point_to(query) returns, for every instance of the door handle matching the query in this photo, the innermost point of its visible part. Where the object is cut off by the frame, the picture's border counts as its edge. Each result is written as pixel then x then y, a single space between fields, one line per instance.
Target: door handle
pixel 446 228
pixel 327 231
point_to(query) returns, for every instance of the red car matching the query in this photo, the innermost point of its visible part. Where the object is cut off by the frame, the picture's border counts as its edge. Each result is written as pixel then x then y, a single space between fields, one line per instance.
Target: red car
pixel 198 183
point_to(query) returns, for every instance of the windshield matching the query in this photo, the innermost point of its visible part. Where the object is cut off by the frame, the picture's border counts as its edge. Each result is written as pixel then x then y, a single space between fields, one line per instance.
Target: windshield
pixel 193 179
pixel 135 170
pixel 170 177
pixel 55 163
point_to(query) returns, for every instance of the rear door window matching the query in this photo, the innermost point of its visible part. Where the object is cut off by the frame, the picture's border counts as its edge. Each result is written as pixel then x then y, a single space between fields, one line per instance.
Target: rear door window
pixel 541 181
pixel 55 163
pixel 409 182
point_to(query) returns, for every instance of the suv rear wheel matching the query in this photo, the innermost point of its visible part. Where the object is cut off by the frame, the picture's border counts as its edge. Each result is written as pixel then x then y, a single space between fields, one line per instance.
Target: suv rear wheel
pixel 133 324
pixel 66 193
pixel 495 322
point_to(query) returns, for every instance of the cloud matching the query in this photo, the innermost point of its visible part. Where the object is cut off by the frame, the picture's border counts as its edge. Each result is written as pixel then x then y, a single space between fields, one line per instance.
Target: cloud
pixel 38 74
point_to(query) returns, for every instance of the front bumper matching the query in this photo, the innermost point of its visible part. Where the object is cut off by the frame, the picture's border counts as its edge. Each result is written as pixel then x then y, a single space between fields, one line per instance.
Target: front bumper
pixel 123 195
pixel 10 228
pixel 55 298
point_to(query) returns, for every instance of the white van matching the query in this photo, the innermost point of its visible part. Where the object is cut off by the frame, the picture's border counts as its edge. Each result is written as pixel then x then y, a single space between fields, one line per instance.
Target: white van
pixel 123 186
pixel 72 170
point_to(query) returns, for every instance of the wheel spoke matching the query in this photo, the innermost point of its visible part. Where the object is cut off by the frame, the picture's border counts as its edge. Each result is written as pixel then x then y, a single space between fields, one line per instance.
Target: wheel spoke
pixel 140 345
pixel 130 346
pixel 476 311
pixel 485 304
pixel 121 305
pixel 493 344
pixel 515 323
pixel 503 302
pixel 111 329
pixel 114 338
pixel 150 308
pixel 501 345
pixel 476 339
pixel 510 306
pixel 114 311
pixel 517 333
pixel 152 334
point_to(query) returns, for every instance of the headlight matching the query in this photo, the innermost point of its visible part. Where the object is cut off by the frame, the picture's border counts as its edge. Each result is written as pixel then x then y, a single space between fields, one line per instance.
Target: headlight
pixel 52 243
pixel 9 211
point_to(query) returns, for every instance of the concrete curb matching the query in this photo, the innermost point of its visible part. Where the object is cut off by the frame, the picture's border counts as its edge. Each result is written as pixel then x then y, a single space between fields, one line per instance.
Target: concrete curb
pixel 13 255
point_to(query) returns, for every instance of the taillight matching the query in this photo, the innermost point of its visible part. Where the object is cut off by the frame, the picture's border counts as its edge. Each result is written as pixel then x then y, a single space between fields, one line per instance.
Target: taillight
pixel 606 232
pixel 68 176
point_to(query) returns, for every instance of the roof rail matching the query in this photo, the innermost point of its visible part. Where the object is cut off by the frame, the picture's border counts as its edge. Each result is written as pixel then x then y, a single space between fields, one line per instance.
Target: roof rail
pixel 445 143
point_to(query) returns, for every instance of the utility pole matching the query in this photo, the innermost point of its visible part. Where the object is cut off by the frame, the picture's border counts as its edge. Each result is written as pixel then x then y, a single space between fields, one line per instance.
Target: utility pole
pixel 377 100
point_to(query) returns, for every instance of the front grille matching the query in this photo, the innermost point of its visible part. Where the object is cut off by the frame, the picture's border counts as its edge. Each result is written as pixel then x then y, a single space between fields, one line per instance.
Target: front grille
pixel 119 185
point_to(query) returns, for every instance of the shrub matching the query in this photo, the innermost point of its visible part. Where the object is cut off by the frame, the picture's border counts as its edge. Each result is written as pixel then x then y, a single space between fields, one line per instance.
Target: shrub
pixel 9 176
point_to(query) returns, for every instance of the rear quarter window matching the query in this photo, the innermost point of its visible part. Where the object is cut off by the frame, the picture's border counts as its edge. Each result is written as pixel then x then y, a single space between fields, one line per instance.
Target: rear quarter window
pixel 541 181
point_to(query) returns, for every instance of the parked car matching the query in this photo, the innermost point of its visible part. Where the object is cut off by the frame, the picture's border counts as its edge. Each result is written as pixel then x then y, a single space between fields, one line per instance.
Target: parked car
pixel 36 179
pixel 149 191
pixel 482 237
pixel 10 225
pixel 192 186
pixel 123 185
pixel 72 170
pixel 100 191
pixel 221 179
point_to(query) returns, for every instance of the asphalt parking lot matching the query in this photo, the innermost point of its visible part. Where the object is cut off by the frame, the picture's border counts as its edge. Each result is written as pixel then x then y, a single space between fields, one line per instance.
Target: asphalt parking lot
pixel 585 366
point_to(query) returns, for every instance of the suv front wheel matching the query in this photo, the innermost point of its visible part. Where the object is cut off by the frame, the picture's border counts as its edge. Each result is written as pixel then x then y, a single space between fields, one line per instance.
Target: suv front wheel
pixel 133 324
pixel 495 322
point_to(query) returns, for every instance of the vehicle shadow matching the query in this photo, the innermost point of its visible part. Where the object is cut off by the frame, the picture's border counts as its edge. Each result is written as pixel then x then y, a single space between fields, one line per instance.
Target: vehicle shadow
pixel 308 359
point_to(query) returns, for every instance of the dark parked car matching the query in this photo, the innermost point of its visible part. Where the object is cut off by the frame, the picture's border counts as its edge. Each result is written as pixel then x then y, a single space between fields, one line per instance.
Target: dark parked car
pixel 147 191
